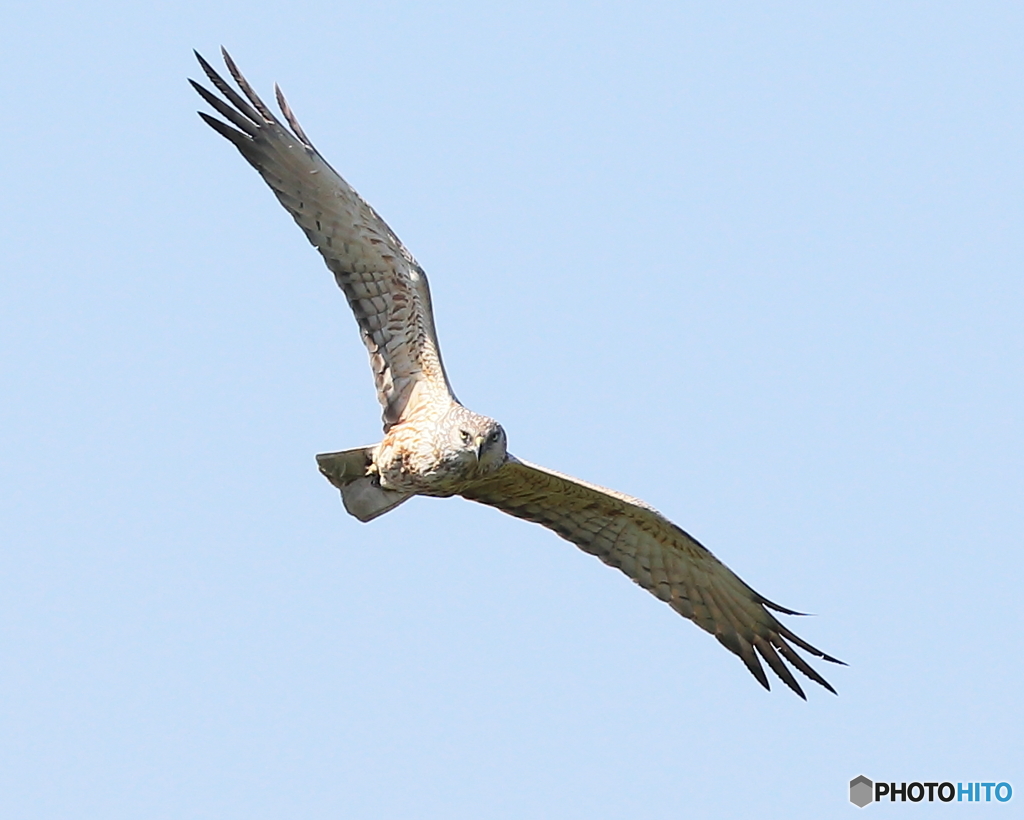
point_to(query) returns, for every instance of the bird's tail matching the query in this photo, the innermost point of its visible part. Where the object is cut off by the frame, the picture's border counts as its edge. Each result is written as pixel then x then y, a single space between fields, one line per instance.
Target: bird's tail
pixel 361 492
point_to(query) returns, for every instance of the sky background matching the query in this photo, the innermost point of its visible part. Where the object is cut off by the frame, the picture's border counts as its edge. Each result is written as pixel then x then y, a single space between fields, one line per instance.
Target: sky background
pixel 758 264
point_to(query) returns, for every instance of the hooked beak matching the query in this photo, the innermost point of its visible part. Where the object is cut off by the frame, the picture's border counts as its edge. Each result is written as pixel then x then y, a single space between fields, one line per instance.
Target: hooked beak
pixel 479 442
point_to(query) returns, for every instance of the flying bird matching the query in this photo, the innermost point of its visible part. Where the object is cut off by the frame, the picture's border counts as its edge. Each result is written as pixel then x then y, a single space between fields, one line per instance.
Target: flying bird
pixel 435 446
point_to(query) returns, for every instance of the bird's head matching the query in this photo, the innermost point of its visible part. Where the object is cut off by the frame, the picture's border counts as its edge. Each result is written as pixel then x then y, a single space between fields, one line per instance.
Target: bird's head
pixel 476 443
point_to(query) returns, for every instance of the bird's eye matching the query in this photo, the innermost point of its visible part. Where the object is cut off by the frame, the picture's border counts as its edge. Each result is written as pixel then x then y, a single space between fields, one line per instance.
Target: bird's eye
pixel 465 436
pixel 495 435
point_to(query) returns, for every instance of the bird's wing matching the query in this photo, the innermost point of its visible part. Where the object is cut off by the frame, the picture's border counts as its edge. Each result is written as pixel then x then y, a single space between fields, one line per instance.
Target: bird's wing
pixel 385 287
pixel 628 534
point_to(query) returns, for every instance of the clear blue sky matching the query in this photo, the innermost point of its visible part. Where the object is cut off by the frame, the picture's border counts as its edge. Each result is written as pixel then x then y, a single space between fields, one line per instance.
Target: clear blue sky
pixel 760 265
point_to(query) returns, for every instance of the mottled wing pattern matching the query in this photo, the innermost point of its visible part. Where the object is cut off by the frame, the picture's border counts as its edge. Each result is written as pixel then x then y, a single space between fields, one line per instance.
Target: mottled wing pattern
pixel 628 534
pixel 384 285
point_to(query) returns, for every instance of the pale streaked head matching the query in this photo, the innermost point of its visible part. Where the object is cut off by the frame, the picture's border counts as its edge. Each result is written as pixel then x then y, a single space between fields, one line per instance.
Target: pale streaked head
pixel 473 444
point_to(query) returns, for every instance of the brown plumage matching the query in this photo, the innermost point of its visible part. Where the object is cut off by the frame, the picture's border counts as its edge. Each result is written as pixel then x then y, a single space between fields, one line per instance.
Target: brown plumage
pixel 434 446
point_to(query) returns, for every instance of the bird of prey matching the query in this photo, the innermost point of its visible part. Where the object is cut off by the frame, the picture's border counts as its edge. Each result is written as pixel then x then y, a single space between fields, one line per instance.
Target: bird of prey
pixel 435 446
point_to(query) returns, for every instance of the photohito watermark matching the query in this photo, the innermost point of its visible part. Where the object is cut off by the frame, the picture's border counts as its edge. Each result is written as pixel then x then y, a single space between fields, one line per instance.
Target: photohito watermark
pixel 864 791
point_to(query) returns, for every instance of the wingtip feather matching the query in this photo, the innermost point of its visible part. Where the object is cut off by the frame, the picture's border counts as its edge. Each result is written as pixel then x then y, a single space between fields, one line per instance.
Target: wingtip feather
pixel 247 89
pixel 290 117
pixel 771 657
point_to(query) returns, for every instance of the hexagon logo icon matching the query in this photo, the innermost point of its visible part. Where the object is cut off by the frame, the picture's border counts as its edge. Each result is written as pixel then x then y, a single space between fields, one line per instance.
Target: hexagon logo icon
pixel 861 791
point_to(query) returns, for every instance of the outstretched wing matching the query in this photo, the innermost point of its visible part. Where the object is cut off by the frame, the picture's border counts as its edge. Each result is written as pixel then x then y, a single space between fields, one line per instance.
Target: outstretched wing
pixel 628 534
pixel 385 287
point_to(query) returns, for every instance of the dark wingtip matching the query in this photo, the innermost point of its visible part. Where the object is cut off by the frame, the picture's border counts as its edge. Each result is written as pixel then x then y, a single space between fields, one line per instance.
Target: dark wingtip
pixel 290 117
pixel 240 140
pixel 784 610
pixel 247 89
pixel 257 115
pixel 204 64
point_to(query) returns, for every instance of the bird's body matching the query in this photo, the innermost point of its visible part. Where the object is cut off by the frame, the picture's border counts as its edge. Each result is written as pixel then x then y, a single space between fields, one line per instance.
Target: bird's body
pixel 435 446
pixel 426 455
